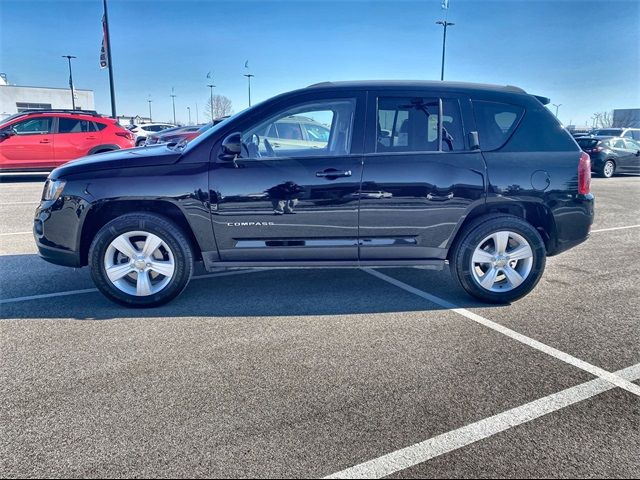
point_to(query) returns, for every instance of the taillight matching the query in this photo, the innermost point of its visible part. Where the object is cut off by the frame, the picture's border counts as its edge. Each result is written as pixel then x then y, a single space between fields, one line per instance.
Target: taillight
pixel 584 174
pixel 597 149
pixel 127 135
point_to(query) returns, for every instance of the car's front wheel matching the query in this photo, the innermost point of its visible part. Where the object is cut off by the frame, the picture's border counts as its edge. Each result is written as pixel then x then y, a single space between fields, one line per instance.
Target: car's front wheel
pixel 140 260
pixel 498 259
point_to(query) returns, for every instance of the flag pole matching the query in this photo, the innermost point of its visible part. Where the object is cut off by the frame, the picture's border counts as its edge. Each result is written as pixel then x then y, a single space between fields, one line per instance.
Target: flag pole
pixel 109 61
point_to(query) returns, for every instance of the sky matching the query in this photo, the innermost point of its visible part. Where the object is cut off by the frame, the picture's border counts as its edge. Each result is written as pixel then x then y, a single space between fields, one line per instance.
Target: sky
pixel 584 55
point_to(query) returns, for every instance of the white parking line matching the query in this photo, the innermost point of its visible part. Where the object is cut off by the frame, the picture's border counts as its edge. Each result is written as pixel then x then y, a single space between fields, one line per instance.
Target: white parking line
pixel 560 355
pixel 91 290
pixel 447 442
pixel 8 204
pixel 15 233
pixel 614 228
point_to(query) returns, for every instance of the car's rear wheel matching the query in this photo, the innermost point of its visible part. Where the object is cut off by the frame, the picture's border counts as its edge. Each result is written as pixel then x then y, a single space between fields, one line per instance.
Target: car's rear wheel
pixel 498 259
pixel 608 169
pixel 140 260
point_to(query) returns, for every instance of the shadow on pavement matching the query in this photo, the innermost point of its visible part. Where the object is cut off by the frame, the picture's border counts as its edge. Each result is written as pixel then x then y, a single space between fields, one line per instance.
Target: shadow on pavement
pixel 262 293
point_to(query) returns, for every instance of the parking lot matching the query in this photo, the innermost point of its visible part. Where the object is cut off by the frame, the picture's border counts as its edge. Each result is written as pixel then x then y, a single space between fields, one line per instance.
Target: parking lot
pixel 311 373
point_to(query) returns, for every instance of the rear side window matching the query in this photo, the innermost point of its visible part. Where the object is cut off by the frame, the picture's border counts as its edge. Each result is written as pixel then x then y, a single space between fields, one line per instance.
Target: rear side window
pixel 407 125
pixel 99 126
pixel 73 125
pixel 496 122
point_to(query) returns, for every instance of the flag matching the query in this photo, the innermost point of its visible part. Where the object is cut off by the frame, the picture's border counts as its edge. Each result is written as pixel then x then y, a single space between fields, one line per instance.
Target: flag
pixel 246 64
pixel 445 4
pixel 103 51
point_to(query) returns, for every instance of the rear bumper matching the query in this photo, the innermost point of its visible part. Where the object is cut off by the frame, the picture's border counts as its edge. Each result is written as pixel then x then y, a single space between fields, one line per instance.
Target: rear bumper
pixel 573 225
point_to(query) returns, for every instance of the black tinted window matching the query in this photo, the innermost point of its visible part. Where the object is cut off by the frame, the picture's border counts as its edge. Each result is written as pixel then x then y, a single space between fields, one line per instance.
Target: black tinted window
pixel 73 125
pixel 407 125
pixel 586 143
pixel 99 126
pixel 496 122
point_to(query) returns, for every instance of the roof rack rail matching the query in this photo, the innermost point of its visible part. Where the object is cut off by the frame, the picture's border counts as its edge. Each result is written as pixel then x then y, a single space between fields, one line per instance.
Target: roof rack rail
pixel 59 110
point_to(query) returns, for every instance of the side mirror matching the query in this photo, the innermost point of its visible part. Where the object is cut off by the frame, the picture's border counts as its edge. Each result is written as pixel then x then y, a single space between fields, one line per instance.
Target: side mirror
pixel 4 134
pixel 474 143
pixel 231 147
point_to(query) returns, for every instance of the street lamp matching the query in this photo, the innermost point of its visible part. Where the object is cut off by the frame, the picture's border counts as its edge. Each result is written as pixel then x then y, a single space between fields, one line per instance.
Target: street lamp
pixel 73 100
pixel 189 110
pixel 211 87
pixel 248 75
pixel 444 24
pixel 173 100
pixel 557 107
pixel 149 101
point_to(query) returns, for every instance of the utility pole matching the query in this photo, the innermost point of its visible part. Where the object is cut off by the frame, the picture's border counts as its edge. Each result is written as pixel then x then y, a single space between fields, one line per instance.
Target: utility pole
pixel 107 37
pixel 173 100
pixel 149 101
pixel 189 110
pixel 444 24
pixel 211 87
pixel 73 100
pixel 248 75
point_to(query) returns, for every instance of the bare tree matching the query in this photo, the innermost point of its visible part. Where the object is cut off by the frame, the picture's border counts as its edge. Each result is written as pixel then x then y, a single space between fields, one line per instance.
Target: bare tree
pixel 220 108
pixel 603 119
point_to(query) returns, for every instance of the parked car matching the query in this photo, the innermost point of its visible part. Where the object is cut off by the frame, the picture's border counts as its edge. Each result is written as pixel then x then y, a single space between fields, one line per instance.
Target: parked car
pixel 295 132
pixel 44 139
pixel 143 130
pixel 482 178
pixel 611 155
pixel 632 133
pixel 176 134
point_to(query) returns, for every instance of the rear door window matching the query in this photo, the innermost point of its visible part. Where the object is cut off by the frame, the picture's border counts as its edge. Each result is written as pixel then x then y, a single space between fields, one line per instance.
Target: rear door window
pixel 73 125
pixel 407 125
pixel 496 122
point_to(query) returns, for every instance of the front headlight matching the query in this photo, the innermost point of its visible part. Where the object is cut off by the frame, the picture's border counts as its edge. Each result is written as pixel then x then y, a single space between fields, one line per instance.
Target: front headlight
pixel 53 189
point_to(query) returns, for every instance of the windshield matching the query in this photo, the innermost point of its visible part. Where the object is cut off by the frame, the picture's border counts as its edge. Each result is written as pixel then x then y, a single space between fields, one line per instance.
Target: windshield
pixel 210 131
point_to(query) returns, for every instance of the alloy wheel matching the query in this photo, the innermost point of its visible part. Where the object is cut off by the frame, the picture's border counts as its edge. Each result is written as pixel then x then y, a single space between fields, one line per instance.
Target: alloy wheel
pixel 502 261
pixel 139 263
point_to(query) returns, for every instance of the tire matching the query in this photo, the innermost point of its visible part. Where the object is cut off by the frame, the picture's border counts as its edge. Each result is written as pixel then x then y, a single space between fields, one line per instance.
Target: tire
pixel 140 143
pixel 478 242
pixel 608 169
pixel 166 267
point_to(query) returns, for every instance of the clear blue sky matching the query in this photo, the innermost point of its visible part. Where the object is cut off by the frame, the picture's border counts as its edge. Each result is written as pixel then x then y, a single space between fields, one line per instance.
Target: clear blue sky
pixel 583 54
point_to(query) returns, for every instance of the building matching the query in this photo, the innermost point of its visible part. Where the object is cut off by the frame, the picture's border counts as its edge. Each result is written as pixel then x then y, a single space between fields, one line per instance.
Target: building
pixel 626 117
pixel 15 99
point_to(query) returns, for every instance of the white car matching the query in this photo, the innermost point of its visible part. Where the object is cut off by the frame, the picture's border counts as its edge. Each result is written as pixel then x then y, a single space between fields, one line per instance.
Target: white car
pixel 143 130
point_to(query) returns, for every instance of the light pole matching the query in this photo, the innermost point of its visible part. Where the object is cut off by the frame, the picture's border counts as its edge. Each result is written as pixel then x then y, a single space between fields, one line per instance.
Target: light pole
pixel 149 101
pixel 211 87
pixel 173 100
pixel 73 100
pixel 248 75
pixel 444 24
pixel 557 107
pixel 197 121
pixel 189 110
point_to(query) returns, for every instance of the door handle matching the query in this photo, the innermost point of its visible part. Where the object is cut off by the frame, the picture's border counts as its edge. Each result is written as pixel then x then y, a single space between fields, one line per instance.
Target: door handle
pixel 90 138
pixel 438 198
pixel 44 141
pixel 332 173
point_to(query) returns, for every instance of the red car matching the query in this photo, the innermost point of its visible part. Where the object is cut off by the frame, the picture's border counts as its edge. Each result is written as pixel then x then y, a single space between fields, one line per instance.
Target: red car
pixel 45 139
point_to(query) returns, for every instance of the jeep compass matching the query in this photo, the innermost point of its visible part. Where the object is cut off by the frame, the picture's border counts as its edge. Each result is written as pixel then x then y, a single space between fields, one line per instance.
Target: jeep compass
pixel 480 178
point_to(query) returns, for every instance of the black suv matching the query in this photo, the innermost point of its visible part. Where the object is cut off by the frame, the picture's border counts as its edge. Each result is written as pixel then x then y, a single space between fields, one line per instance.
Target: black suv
pixel 418 174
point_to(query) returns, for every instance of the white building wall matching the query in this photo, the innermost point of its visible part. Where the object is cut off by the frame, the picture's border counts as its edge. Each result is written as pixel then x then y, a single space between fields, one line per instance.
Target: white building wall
pixel 10 95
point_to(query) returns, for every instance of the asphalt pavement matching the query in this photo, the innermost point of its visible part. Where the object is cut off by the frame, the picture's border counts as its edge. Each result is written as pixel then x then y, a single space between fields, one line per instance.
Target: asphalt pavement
pixel 311 373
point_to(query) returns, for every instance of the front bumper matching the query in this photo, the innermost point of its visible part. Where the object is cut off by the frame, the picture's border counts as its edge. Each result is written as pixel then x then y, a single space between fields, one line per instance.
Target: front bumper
pixel 57 230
